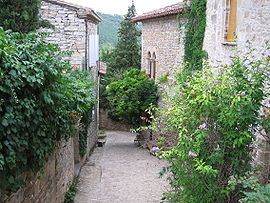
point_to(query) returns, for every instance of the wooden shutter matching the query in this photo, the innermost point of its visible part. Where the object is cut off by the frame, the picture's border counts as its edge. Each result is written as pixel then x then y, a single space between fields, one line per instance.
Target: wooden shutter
pixel 232 21
pixel 93 50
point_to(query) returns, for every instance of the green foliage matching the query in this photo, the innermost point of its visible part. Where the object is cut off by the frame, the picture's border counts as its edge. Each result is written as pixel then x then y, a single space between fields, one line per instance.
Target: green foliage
pixel 108 28
pixel 130 97
pixel 194 33
pixel 71 193
pixel 42 97
pixel 262 194
pixel 110 77
pixel 83 134
pixel 248 185
pixel 107 56
pixel 21 16
pixel 126 55
pixel 163 78
pixel 214 112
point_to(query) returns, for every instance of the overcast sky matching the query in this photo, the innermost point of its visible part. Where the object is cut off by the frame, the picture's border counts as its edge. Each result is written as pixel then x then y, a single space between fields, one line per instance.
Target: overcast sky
pixel 121 6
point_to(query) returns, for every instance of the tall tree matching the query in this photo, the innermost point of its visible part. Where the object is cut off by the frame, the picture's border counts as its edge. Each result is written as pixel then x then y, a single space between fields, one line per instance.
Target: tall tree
pixel 127 52
pixel 21 15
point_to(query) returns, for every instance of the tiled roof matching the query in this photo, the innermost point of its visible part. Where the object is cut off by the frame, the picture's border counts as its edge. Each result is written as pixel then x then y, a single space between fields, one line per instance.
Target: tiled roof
pixel 83 12
pixel 169 10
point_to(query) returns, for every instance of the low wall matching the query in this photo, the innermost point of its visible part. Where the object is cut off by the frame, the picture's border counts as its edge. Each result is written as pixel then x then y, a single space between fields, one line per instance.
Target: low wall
pixel 51 185
pixel 105 123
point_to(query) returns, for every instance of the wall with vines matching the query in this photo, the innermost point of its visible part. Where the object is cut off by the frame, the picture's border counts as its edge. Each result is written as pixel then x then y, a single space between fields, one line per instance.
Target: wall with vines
pixel 195 12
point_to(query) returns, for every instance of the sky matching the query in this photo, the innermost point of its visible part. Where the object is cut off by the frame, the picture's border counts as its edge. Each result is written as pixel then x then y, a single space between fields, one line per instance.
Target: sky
pixel 121 6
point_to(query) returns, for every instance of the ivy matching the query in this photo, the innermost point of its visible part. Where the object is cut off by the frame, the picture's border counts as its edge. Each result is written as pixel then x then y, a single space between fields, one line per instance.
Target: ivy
pixel 195 12
pixel 42 98
pixel 71 193
pixel 83 135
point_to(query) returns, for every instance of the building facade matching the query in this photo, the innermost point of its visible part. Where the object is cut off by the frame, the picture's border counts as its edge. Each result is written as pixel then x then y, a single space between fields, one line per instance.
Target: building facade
pixel 236 27
pixel 162 41
pixel 232 27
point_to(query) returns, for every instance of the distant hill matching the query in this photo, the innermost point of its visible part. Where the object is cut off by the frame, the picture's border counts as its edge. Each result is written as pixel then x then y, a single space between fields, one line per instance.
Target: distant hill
pixel 108 28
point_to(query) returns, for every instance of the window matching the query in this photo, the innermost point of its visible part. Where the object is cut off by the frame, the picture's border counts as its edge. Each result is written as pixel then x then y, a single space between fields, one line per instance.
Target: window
pixel 231 19
pixel 148 70
pixel 153 66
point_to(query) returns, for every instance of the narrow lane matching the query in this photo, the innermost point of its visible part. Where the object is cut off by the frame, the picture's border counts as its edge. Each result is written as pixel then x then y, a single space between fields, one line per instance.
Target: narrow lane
pixel 121 172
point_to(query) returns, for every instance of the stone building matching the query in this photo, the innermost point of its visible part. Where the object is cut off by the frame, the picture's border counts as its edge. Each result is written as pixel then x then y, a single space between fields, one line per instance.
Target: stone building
pixel 162 41
pixel 75 29
pixel 233 24
pixel 232 27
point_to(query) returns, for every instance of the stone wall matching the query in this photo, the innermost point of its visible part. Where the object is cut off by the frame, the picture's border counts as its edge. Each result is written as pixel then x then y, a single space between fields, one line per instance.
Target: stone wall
pixel 71 31
pixel 105 123
pixel 51 184
pixel 162 36
pixel 253 27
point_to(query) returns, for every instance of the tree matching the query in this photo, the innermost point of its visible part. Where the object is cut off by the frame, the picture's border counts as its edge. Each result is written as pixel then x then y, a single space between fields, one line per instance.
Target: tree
pixel 21 16
pixel 127 52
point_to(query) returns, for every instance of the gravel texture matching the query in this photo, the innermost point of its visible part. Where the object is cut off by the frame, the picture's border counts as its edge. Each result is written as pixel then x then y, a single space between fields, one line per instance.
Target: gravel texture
pixel 121 172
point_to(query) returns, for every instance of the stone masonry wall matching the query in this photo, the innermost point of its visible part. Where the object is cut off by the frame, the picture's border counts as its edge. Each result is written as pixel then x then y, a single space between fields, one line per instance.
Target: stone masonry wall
pixel 69 30
pixel 51 184
pixel 162 36
pixel 105 123
pixel 253 26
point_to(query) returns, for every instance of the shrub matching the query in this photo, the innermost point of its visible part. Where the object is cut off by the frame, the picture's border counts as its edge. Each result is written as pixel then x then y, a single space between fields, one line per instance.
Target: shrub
pixel 129 98
pixel 41 99
pixel 21 16
pixel 214 112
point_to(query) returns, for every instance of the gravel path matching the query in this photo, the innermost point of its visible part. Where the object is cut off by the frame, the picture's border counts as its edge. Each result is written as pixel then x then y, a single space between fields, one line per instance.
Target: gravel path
pixel 121 172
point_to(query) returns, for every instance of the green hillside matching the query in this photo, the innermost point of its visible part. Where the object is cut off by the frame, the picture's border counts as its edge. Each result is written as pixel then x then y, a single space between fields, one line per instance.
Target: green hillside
pixel 108 28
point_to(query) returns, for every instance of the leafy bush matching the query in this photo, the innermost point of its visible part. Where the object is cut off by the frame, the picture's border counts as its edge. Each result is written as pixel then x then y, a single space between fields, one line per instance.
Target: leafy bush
pixel 21 16
pixel 129 98
pixel 214 112
pixel 261 194
pixel 252 190
pixel 111 76
pixel 41 99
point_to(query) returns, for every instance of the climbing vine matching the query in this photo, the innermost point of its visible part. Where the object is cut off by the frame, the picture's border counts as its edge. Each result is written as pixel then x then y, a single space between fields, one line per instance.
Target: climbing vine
pixel 195 12
pixel 85 122
pixel 42 97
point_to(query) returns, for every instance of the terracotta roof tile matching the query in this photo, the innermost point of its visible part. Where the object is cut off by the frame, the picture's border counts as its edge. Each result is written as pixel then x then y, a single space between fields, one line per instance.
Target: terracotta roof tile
pixel 168 10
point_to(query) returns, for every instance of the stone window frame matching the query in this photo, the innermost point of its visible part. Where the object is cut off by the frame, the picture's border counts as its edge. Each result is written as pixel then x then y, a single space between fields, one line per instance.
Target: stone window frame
pixel 230 22
pixel 153 70
pixel 148 69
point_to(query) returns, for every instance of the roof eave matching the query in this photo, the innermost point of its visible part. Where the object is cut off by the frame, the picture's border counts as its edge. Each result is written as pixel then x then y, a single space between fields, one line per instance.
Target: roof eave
pixel 157 15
